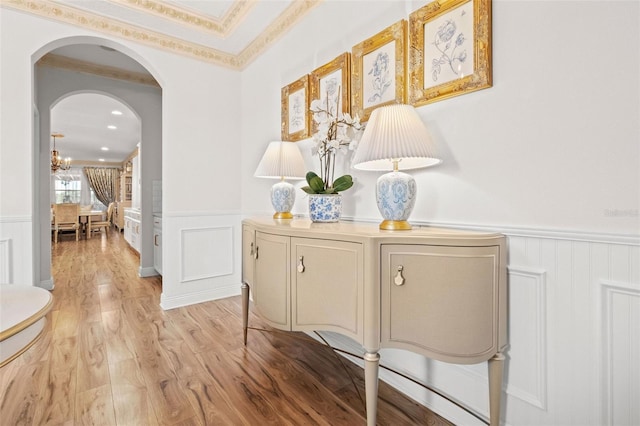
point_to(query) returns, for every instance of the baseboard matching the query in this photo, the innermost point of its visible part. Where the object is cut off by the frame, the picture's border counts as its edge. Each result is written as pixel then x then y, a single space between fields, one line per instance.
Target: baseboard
pixel 47 284
pixel 148 271
pixel 171 302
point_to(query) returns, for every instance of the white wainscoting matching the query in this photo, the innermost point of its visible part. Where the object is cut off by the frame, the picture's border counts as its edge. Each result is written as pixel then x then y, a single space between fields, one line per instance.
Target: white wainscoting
pixel 207 254
pixel 574 330
pixel 16 254
pixel 5 261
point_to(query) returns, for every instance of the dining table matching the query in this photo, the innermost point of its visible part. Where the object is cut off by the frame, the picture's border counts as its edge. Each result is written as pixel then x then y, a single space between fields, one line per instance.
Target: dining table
pixel 86 216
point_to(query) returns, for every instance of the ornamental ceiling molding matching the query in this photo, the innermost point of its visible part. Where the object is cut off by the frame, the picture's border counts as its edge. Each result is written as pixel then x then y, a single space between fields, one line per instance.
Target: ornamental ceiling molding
pixel 294 13
pixel 70 15
pixel 219 26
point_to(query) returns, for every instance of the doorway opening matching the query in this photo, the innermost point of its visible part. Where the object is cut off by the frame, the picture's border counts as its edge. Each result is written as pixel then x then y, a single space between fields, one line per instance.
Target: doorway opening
pixel 72 77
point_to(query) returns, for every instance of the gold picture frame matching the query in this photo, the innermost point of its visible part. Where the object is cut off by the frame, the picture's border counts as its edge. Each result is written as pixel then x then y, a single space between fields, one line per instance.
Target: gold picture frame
pixel 330 81
pixel 443 60
pixel 295 117
pixel 379 69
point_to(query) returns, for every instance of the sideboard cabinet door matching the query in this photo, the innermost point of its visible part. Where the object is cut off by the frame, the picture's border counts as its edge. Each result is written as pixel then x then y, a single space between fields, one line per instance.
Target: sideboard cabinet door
pixel 248 253
pixel 441 301
pixel 327 286
pixel 271 289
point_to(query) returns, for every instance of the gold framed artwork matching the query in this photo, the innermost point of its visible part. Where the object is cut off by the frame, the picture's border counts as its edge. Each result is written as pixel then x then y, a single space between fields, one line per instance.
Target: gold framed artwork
pixel 295 110
pixel 379 69
pixel 449 50
pixel 330 84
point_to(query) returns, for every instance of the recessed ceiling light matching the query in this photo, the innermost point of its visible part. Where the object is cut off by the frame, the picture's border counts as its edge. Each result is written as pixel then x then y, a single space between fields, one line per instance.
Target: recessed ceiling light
pixel 100 159
pixel 116 112
pixel 112 127
pixel 104 148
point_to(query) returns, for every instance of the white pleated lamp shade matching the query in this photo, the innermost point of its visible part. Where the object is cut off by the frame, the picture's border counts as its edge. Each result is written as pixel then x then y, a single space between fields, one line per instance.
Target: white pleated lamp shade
pixel 281 160
pixel 395 132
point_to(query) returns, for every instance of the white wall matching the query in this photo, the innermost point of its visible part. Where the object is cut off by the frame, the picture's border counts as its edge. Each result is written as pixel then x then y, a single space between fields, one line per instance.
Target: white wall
pixel 549 156
pixel 553 144
pixel 200 127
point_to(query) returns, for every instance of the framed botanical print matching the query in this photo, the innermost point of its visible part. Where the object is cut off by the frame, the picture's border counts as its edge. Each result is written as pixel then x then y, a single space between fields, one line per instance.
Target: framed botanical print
pixel 295 110
pixel 330 84
pixel 450 49
pixel 379 66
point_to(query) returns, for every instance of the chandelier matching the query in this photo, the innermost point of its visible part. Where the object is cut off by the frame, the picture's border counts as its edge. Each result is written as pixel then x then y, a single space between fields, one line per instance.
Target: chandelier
pixel 57 163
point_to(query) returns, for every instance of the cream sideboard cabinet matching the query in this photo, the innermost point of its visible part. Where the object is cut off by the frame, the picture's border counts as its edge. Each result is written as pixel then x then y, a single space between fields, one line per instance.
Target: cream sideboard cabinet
pixel 437 292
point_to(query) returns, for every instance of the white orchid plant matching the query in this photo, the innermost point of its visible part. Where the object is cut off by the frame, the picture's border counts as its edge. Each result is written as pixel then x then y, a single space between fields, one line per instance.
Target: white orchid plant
pixel 336 132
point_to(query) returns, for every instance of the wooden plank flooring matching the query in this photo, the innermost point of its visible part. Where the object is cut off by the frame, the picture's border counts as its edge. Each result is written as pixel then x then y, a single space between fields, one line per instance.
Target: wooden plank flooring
pixel 111 356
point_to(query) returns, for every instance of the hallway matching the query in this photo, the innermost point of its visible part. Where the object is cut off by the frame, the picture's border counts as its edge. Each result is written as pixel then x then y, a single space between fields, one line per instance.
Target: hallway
pixel 110 356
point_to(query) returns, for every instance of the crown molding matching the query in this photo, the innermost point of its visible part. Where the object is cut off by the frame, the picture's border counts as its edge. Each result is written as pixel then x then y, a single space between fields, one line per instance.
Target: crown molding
pixel 58 61
pixel 83 19
pixel 183 16
pixel 292 14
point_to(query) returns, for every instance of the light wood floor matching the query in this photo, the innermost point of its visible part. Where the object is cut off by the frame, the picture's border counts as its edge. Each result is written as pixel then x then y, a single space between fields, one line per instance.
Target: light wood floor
pixel 111 356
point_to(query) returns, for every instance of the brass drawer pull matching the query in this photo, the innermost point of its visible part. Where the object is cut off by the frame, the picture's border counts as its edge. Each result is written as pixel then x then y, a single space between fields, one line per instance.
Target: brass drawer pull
pixel 399 279
pixel 301 264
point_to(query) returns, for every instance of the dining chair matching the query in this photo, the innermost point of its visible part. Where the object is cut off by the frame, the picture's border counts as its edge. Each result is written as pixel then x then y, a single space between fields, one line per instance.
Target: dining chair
pixel 106 224
pixel 66 218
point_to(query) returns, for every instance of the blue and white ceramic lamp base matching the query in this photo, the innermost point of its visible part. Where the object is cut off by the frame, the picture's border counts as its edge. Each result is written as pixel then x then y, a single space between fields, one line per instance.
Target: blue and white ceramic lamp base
pixel 396 197
pixel 283 196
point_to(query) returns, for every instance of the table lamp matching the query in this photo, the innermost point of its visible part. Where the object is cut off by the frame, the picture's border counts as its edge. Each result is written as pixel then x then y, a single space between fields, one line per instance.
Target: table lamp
pixel 395 138
pixel 282 160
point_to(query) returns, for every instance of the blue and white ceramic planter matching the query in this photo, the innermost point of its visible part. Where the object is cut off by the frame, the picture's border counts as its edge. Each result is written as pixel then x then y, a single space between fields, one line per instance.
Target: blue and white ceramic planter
pixel 325 207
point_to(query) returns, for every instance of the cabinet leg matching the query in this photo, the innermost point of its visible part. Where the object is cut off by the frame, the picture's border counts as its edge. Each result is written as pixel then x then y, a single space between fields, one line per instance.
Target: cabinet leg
pixel 496 367
pixel 245 310
pixel 371 364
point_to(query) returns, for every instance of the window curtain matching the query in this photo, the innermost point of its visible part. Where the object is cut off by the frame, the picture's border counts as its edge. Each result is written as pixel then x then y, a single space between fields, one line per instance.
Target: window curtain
pixel 85 190
pixel 104 182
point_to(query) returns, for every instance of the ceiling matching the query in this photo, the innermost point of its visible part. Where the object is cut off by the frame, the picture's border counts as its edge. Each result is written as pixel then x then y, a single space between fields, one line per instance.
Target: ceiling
pixel 92 132
pixel 228 33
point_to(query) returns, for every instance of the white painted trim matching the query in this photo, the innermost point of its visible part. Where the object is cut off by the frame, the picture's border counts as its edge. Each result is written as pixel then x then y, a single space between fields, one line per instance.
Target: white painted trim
pixel 183 232
pixel 540 279
pixel 5 261
pixel 148 271
pixel 608 288
pixel 516 231
pixel 220 292
pixel 554 234
pixel 15 219
pixel 47 284
pixel 202 213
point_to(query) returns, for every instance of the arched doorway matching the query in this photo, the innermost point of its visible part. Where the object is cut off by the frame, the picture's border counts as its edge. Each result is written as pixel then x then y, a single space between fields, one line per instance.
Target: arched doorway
pixel 57 76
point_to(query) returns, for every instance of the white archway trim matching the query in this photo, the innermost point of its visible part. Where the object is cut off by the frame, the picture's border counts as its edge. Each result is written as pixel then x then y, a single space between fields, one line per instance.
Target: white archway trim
pixel 63 62
pixel 98 41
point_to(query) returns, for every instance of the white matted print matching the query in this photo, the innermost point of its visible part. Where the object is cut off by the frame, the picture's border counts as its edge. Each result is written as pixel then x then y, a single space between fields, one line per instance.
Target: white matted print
pixel 448 46
pixel 331 91
pixel 378 75
pixel 294 117
pixel 297 111
pixel 378 70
